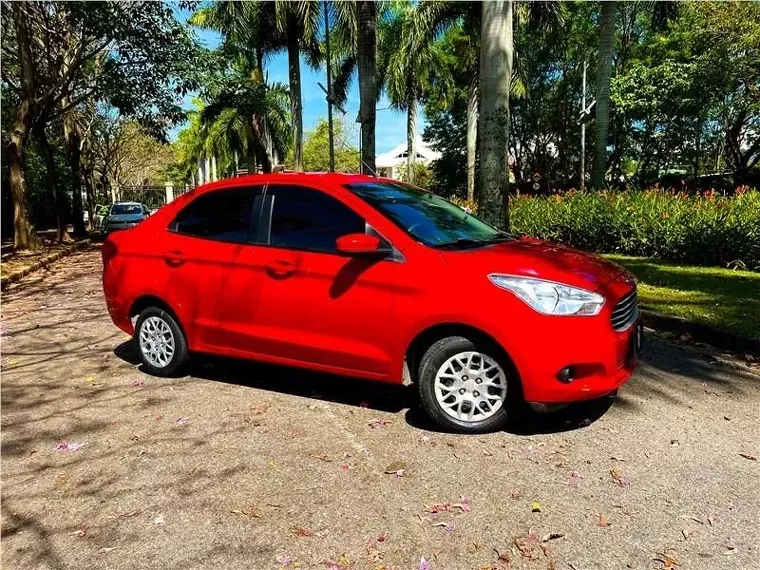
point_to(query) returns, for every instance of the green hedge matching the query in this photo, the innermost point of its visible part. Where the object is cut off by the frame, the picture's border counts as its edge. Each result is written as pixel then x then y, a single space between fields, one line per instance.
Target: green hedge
pixel 703 229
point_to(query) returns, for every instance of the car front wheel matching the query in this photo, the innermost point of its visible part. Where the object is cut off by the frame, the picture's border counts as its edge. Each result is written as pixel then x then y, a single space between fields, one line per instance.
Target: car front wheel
pixel 160 342
pixel 464 386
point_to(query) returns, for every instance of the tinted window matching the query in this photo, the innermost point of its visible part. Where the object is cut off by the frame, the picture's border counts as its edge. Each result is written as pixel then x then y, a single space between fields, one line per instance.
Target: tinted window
pixel 224 215
pixel 427 217
pixel 303 218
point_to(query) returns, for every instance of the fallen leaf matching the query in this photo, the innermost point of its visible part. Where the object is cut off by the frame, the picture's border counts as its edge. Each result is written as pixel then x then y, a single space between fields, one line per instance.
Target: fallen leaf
pixel 159 520
pixel 285 560
pixel 668 562
pixel 81 533
pixel 107 549
pixel 127 514
pixel 618 478
pixel 345 467
pixel 515 495
pixel 66 447
pixel 747 456
pixel 271 464
pixel 378 423
pixel 441 508
pixel 527 545
pixel 448 527
pixel 424 564
pixel 301 531
pixel 62 479
pixel 535 507
pixel 552 536
pixel 503 556
pixel 603 521
pixel 464 504
pixel 400 473
pixel 324 457
pixel 248 512
pixel 138 383
pixel 475 547
pixel 730 550
pixel 182 420
pixel 394 467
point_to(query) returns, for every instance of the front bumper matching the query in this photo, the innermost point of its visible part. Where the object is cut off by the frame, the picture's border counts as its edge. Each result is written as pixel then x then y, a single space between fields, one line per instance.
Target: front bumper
pixel 600 360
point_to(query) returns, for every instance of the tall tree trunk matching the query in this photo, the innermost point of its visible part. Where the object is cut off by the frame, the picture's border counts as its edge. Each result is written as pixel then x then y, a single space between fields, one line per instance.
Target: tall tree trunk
pixel 366 13
pixel 496 52
pixel 73 140
pixel 472 135
pixel 411 136
pixel 604 73
pixel 87 178
pixel 51 173
pixel 296 112
pixel 24 233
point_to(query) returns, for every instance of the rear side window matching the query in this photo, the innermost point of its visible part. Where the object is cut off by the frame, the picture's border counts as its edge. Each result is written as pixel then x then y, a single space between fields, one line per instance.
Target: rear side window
pixel 223 215
pixel 303 218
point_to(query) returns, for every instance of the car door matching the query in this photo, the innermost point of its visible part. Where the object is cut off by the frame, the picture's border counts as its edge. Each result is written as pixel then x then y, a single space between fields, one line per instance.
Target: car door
pixel 316 306
pixel 203 255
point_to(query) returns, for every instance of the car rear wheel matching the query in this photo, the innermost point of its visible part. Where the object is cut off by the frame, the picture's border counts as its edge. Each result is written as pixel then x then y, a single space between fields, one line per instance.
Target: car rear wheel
pixel 160 342
pixel 464 386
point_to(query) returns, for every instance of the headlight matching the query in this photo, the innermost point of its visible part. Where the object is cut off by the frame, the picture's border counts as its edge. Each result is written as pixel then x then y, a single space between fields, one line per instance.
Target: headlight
pixel 550 298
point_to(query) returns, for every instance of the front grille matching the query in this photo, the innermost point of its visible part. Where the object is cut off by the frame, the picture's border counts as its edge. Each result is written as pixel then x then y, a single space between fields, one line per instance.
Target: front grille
pixel 625 312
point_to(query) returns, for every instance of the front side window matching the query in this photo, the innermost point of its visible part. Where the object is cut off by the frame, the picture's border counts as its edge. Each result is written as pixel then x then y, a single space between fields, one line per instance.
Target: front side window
pixel 428 218
pixel 306 219
pixel 223 215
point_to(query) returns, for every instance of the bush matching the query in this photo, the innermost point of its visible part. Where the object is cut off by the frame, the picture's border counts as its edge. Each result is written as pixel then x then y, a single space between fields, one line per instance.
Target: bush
pixel 703 229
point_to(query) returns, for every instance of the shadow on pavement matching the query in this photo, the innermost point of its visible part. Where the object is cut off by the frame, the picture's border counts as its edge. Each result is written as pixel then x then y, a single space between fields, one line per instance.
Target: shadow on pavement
pixel 391 398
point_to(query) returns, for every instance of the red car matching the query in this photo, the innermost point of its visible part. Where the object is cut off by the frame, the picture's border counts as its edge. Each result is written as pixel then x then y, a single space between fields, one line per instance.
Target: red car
pixel 372 278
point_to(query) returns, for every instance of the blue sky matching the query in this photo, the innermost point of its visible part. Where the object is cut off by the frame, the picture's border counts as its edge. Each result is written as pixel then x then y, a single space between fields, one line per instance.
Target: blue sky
pixel 391 125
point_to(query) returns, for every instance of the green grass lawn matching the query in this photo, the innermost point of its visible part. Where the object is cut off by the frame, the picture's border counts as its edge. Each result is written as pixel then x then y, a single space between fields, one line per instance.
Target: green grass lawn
pixel 723 298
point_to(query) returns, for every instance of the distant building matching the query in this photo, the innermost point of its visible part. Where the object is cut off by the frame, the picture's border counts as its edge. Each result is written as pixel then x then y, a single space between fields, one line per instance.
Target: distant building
pixel 390 164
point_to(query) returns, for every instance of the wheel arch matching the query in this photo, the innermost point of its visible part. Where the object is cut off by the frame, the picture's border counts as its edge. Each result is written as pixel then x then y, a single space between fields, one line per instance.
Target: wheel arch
pixel 428 336
pixel 145 301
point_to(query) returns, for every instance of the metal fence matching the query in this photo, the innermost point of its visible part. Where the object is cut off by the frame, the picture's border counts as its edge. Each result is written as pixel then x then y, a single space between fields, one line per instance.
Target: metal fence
pixel 152 196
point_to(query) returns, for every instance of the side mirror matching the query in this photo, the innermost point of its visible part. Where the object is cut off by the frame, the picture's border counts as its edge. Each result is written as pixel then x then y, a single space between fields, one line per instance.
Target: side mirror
pixel 361 245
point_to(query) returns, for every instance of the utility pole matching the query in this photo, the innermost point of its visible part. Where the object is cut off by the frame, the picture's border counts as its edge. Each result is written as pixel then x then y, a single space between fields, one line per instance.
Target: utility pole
pixel 583 131
pixel 329 89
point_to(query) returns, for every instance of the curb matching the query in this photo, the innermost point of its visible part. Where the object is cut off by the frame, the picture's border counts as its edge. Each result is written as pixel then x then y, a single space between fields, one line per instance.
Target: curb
pixel 45 261
pixel 699 332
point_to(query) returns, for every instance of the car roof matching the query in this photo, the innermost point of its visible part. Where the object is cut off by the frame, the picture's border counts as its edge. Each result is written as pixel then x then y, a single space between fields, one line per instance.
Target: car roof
pixel 329 178
pixel 127 204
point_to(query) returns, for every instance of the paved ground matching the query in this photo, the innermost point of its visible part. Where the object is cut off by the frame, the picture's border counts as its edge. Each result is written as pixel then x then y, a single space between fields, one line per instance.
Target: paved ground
pixel 248 466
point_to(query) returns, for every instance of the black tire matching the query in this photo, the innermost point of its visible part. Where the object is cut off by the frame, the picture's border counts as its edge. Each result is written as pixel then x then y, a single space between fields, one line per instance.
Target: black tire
pixel 432 361
pixel 181 354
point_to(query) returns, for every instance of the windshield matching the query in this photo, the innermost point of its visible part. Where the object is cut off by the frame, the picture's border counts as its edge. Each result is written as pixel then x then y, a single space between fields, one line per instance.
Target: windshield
pixel 428 218
pixel 119 209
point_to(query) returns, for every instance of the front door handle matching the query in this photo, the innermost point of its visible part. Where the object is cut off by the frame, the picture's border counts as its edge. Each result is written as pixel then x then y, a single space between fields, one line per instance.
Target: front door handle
pixel 174 258
pixel 280 268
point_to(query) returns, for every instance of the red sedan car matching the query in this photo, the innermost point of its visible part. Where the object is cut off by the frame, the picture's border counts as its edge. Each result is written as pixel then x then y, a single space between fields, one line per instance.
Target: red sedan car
pixel 376 279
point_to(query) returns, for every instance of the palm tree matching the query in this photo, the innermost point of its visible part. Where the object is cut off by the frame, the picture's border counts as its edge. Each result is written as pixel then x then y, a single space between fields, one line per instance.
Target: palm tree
pixel 251 118
pixel 366 16
pixel 604 73
pixel 434 17
pixel 261 28
pixel 496 53
pixel 662 14
pixel 408 68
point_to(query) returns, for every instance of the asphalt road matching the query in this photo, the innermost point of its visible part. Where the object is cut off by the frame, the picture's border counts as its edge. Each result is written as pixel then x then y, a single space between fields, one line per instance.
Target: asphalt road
pixel 241 465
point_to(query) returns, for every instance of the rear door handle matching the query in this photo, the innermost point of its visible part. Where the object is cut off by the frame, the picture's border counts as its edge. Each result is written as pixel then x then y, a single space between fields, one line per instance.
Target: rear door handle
pixel 174 258
pixel 280 268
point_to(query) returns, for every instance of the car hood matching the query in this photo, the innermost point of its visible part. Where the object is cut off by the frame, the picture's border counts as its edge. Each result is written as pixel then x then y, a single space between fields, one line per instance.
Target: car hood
pixel 542 260
pixel 125 218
